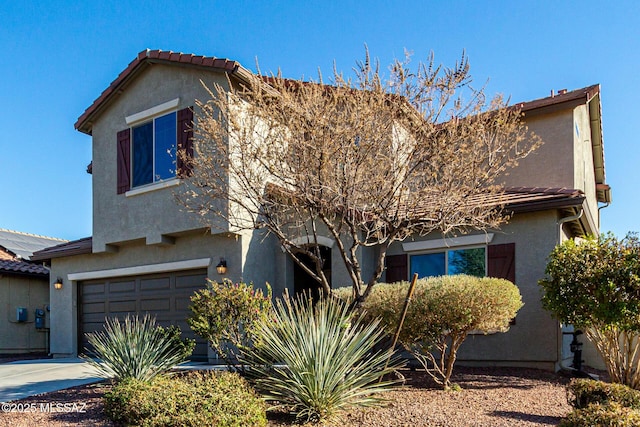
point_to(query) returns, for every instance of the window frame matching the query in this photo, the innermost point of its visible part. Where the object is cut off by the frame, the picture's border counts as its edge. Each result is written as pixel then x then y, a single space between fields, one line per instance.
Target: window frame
pixel 446 251
pixel 154 160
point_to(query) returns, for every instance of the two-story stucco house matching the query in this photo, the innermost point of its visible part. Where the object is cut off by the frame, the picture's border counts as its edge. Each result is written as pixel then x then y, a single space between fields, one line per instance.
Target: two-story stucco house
pixel 146 254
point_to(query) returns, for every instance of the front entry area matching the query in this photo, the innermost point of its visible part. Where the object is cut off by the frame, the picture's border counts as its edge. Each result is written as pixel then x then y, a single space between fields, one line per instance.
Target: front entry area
pixel 165 296
pixel 303 282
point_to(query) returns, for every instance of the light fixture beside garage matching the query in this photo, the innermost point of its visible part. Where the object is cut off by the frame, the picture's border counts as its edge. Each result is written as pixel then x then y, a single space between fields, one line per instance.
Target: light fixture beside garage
pixel 58 283
pixel 221 268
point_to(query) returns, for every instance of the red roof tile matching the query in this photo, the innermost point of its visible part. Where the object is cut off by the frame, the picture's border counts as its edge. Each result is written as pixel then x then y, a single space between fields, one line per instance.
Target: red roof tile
pixel 75 247
pixel 143 58
pixel 21 267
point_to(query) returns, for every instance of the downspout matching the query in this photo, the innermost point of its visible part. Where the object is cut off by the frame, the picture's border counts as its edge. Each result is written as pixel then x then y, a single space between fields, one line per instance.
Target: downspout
pixel 606 205
pixel 562 355
pixel 564 220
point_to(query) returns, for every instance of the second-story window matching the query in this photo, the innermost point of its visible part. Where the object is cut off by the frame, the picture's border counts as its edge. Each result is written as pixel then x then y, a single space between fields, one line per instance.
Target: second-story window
pixel 154 150
pixel 147 150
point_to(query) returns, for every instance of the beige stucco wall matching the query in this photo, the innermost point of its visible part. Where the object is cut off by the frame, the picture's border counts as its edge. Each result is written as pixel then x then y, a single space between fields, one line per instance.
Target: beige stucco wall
pixel 551 164
pixel 534 339
pixel 249 258
pixel 21 291
pixel 564 160
pixel 116 217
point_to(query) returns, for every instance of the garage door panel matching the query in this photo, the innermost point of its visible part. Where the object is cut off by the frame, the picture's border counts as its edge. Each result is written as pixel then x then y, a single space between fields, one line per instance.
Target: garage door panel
pixel 183 303
pixel 122 286
pixel 118 307
pixel 155 304
pixel 190 281
pixel 96 307
pixel 155 284
pixel 165 296
pixel 92 289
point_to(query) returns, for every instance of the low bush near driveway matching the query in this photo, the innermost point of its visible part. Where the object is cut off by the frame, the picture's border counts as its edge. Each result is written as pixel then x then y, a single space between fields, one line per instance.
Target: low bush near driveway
pixel 583 392
pixel 194 399
pixel 609 415
pixel 598 403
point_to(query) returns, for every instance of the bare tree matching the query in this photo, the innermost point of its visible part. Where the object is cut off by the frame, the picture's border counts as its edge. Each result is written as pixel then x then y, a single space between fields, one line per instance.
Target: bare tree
pixel 366 161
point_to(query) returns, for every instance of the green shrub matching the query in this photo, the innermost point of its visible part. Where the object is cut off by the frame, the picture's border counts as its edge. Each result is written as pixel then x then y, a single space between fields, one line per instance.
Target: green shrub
pixel 583 392
pixel 594 285
pixel 610 415
pixel 195 399
pixel 443 311
pixel 225 314
pixel 136 348
pixel 328 357
pixel 184 346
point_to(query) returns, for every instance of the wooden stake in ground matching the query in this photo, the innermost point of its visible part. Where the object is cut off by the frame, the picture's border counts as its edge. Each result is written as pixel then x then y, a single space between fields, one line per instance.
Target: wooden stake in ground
pixel 403 315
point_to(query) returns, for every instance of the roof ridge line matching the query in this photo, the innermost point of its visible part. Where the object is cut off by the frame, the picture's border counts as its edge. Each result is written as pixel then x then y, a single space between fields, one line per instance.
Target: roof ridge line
pixel 32 235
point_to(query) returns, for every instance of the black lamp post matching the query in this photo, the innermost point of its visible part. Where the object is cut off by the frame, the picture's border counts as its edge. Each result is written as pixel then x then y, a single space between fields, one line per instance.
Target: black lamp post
pixel 576 349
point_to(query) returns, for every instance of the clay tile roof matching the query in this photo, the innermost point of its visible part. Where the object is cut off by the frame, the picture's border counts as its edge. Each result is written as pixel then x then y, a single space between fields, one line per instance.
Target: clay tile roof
pixel 142 60
pixel 519 199
pixel 75 247
pixel 22 268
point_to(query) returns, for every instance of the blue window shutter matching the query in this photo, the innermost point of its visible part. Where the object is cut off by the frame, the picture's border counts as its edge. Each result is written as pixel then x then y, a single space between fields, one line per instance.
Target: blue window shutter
pixel 124 161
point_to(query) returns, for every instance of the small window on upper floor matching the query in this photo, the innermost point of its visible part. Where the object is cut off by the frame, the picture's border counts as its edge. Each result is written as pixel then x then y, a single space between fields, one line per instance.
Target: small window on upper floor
pixel 147 152
pixel 154 152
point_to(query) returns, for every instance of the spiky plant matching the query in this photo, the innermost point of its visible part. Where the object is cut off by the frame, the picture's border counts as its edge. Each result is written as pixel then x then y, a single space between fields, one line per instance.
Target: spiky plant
pixel 135 348
pixel 327 356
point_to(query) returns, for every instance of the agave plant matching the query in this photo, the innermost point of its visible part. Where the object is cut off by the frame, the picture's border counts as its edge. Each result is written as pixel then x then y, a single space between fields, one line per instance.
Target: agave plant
pixel 135 348
pixel 326 356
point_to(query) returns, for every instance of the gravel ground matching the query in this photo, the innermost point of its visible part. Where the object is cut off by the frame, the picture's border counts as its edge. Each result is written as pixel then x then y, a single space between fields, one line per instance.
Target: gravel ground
pixel 489 397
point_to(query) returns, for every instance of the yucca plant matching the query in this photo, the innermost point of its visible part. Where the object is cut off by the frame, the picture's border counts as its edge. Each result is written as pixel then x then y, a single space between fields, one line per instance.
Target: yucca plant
pixel 135 348
pixel 326 355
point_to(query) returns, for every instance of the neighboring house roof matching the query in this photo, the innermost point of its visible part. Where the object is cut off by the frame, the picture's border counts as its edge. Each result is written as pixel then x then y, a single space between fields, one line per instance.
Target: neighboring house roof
pixel 141 62
pixel 6 255
pixel 22 268
pixel 74 247
pixel 23 245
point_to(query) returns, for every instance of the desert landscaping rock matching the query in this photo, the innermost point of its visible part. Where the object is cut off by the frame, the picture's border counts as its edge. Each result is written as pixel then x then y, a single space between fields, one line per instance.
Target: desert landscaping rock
pixel 491 397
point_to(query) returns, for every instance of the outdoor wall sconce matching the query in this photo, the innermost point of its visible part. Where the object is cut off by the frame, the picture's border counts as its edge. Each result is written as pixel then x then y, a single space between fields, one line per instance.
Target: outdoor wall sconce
pixel 221 268
pixel 58 283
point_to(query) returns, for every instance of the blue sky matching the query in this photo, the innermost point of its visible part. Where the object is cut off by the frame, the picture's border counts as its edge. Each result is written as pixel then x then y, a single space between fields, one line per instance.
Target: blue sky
pixel 57 57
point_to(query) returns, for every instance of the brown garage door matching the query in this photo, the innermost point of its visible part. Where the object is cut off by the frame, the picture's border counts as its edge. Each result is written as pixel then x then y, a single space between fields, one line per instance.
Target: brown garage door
pixel 165 296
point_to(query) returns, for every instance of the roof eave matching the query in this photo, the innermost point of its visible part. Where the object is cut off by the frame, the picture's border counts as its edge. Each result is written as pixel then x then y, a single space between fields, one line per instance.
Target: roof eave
pixel 146 58
pixel 76 247
pixel 567 202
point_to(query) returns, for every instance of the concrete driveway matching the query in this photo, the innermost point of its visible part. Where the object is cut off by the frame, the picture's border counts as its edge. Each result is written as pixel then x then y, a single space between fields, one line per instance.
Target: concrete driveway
pixel 30 377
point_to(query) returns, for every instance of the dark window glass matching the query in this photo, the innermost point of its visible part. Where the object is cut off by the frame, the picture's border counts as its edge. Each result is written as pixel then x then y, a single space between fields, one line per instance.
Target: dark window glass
pixel 154 150
pixel 427 265
pixel 467 261
pixel 165 147
pixel 142 154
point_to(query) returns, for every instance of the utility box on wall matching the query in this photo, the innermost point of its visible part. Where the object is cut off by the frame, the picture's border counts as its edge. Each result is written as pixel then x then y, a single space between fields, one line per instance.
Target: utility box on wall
pixel 21 314
pixel 39 318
